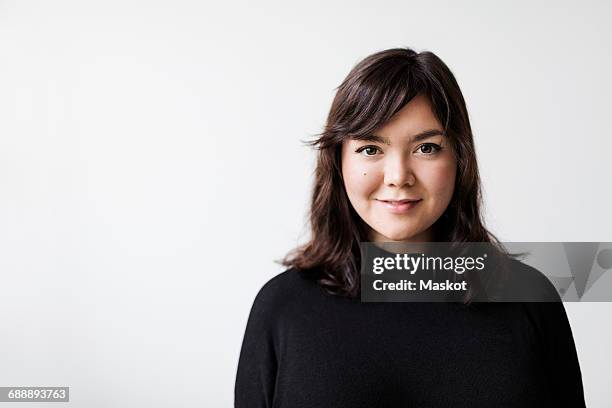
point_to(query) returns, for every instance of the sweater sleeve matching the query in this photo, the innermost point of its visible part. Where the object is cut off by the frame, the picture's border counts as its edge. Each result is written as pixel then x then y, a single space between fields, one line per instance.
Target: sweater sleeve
pixel 561 360
pixel 257 364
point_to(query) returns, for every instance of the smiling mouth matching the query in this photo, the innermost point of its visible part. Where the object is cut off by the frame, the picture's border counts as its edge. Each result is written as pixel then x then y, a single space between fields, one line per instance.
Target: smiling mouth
pixel 400 206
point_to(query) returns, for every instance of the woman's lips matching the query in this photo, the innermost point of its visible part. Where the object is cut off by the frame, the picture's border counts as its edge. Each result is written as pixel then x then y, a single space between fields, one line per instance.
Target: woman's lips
pixel 399 207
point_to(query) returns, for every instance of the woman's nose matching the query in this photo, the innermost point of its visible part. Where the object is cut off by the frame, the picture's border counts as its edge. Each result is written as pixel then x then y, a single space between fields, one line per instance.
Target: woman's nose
pixel 398 172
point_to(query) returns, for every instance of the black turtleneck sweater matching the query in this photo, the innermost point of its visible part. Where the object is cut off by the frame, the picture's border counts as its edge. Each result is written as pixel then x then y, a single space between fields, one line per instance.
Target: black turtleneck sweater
pixel 306 348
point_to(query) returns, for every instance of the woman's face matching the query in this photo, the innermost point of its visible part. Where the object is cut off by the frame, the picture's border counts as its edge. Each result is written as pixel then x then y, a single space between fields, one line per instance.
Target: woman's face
pixel 402 178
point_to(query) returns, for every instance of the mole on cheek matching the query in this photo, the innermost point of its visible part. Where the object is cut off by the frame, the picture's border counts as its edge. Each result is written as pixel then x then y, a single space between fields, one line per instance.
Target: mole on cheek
pixel 364 174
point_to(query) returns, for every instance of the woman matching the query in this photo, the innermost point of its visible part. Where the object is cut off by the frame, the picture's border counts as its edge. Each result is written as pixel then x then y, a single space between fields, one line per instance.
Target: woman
pixel 396 163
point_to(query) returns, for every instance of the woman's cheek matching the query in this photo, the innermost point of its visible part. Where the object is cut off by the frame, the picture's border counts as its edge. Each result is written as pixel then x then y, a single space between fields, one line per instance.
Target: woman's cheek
pixel 360 179
pixel 442 181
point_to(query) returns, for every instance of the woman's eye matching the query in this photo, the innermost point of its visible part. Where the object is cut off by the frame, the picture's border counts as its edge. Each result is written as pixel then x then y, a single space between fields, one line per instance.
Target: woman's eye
pixel 368 150
pixel 429 148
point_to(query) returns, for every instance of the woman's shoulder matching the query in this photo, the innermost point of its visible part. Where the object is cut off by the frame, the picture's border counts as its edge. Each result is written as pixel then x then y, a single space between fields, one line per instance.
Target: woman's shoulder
pixel 287 283
pixel 291 286
pixel 530 284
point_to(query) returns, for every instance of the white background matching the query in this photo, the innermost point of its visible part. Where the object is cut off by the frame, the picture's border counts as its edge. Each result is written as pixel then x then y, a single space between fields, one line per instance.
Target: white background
pixel 151 169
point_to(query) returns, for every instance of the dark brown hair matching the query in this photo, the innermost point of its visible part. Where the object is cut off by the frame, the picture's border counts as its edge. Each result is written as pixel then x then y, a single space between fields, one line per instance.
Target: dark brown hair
pixel 375 89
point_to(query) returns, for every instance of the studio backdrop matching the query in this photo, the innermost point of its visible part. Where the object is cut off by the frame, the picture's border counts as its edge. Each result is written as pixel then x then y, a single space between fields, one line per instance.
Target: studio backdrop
pixel 152 169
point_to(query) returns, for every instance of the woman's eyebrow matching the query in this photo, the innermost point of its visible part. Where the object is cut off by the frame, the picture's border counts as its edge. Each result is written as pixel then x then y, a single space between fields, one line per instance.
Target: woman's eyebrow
pixel 416 138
